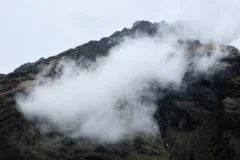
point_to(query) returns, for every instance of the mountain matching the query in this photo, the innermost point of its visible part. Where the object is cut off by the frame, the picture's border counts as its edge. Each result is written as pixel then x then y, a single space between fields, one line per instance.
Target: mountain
pixel 198 123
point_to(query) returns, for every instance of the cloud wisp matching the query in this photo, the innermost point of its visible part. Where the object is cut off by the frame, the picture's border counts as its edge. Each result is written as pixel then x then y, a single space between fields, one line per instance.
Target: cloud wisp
pixel 112 99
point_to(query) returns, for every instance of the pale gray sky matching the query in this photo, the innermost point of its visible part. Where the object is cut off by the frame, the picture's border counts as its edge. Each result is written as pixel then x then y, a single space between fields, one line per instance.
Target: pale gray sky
pixel 32 29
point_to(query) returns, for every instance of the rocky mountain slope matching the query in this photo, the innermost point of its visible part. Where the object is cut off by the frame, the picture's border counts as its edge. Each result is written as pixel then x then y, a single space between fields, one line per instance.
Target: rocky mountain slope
pixel 202 122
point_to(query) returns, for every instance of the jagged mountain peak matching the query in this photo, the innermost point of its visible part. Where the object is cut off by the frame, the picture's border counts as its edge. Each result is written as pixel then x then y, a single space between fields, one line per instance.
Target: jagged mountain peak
pixel 145 25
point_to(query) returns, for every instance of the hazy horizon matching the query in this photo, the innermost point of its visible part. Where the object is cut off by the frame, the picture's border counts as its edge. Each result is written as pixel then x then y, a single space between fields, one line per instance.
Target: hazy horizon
pixel 31 30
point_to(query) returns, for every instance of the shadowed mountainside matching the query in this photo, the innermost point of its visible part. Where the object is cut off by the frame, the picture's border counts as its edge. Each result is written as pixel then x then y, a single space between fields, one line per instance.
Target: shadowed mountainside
pixel 199 123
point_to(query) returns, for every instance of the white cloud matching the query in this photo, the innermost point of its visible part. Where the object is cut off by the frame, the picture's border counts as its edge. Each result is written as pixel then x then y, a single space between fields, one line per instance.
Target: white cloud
pixel 103 103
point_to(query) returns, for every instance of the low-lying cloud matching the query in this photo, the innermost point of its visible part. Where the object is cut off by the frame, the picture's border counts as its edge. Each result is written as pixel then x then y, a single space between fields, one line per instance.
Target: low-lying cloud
pixel 106 101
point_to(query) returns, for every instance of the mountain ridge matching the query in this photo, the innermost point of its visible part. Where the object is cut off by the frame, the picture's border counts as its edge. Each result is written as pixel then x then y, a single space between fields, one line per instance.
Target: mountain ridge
pixel 197 124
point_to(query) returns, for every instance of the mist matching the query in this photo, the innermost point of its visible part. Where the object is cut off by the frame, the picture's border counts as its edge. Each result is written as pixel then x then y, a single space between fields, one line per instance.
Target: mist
pixel 112 99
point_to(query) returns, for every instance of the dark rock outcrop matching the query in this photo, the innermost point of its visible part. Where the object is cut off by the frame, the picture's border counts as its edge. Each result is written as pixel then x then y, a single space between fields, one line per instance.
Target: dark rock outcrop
pixel 28 66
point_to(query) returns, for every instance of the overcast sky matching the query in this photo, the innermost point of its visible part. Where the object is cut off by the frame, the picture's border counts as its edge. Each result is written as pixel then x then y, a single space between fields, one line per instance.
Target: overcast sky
pixel 32 29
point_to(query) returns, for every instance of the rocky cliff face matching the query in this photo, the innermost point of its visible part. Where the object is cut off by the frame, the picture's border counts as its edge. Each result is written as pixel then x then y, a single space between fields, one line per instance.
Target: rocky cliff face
pixel 198 123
